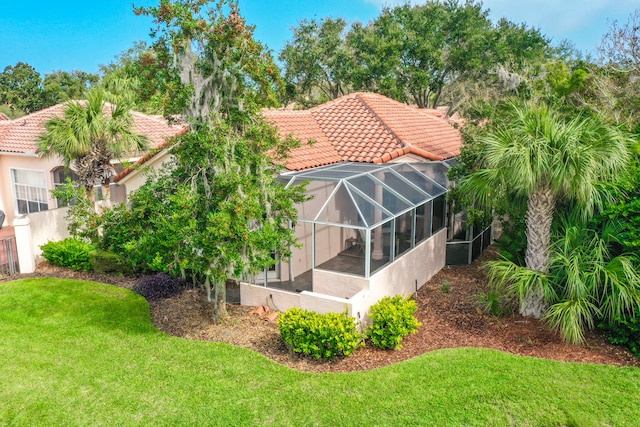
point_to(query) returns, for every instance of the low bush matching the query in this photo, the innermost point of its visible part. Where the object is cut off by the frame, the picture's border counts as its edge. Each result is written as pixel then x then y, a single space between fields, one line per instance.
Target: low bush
pixel 393 318
pixel 625 332
pixel 71 253
pixel 496 303
pixel 159 286
pixel 323 336
pixel 107 262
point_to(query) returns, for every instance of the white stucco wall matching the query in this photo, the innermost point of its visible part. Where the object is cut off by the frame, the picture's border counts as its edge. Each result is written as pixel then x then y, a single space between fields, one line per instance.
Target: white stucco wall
pixel 410 271
pixel 338 284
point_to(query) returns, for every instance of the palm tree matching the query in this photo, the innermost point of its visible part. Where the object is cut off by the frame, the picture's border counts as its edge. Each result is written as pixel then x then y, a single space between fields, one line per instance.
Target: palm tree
pixel 90 135
pixel 592 280
pixel 540 156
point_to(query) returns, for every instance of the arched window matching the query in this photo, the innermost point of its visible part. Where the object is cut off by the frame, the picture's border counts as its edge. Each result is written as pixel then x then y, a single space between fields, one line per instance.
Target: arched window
pixel 60 175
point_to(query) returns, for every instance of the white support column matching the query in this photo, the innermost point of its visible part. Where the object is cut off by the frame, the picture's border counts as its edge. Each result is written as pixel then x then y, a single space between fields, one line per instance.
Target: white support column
pixel 377 253
pixel 26 257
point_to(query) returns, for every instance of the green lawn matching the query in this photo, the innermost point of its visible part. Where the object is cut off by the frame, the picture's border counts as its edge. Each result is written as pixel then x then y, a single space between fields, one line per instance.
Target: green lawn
pixel 82 353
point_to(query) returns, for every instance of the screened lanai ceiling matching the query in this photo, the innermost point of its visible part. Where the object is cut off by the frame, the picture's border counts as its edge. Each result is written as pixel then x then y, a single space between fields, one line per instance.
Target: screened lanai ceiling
pixel 366 195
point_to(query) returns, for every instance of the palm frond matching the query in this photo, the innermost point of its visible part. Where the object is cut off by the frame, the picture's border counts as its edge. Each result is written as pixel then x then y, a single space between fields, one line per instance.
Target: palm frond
pixel 571 317
pixel 512 280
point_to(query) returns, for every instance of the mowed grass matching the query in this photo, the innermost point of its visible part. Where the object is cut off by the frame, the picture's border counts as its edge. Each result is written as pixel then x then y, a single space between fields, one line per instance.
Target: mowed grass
pixel 83 353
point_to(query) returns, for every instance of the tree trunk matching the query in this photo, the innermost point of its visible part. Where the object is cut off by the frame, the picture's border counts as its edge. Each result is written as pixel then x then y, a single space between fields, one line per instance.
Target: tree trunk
pixel 90 194
pixel 220 300
pixel 106 195
pixel 540 207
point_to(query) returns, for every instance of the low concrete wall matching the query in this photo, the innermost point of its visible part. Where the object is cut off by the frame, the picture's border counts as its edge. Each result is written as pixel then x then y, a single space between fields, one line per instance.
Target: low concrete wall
pixel 47 226
pixel 314 301
pixel 255 295
pixel 413 269
pixel 34 230
pixel 338 284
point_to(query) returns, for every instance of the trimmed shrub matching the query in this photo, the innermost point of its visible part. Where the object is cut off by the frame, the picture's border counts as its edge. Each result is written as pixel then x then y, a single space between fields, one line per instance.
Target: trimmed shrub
pixel 392 320
pixel 71 253
pixel 108 262
pixel 159 286
pixel 626 332
pixel 323 336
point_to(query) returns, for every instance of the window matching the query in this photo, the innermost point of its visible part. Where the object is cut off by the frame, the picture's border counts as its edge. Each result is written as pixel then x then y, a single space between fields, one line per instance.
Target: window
pixel 60 175
pixel 30 189
pixel 439 213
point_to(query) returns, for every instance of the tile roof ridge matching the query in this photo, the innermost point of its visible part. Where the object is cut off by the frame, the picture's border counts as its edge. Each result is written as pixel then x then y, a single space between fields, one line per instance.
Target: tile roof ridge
pixel 358 96
pixel 36 113
pixel 333 102
pixel 156 118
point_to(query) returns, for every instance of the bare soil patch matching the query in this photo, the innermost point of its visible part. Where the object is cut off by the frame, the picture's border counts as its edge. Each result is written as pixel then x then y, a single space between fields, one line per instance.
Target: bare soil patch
pixel 448 307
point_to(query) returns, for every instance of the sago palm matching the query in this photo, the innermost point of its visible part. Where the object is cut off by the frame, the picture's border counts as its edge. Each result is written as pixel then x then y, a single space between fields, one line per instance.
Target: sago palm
pixel 538 155
pixel 89 136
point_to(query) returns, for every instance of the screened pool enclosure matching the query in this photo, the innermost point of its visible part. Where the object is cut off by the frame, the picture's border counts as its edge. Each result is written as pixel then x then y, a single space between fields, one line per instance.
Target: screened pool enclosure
pixel 361 217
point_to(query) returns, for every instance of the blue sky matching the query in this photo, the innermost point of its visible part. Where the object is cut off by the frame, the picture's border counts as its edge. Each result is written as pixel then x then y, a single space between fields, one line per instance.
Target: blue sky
pixel 74 35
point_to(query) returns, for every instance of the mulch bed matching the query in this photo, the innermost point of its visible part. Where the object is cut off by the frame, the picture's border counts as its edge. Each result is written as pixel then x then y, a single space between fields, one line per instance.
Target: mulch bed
pixel 448 307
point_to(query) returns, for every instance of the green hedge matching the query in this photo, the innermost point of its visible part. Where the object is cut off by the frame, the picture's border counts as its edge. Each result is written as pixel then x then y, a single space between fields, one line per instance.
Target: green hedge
pixel 393 318
pixel 625 332
pixel 108 262
pixel 71 253
pixel 323 336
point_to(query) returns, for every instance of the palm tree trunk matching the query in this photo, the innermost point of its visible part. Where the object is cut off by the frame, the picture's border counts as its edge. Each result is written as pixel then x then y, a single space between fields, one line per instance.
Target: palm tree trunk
pixel 540 207
pixel 106 193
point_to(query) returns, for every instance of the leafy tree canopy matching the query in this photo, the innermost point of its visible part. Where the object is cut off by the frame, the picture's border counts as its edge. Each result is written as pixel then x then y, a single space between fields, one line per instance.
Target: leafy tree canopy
pixel 21 88
pixel 60 86
pixel 618 85
pixel 441 52
pixel 219 63
pixel 219 211
pixel 318 61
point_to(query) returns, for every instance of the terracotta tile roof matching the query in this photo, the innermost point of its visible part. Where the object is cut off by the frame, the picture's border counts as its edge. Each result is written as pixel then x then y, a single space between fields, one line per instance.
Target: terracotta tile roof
pixel 21 135
pixel 315 149
pixel 366 127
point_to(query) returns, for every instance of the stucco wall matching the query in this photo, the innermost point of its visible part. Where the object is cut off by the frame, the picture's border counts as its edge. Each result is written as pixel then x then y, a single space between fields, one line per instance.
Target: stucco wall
pixel 324 303
pixel 47 226
pixel 138 177
pixel 338 284
pixel 255 295
pixel 412 270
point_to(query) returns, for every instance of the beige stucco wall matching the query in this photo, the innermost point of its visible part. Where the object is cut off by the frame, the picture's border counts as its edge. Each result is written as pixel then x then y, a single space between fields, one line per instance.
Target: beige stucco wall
pixel 47 226
pixel 338 284
pixel 23 161
pixel 138 177
pixel 255 295
pixel 412 270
